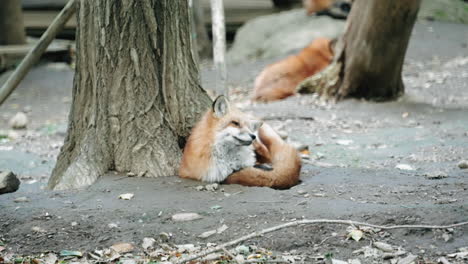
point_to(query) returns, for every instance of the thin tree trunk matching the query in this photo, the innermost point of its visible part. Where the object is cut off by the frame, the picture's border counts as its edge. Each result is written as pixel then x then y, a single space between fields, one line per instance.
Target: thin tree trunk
pixel 136 91
pixel 203 43
pixel 369 56
pixel 11 23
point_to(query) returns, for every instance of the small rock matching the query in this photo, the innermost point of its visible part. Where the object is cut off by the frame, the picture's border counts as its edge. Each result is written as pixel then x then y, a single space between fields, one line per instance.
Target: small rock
pixel 74 223
pixel 148 242
pixel 22 199
pixel 38 229
pixel 212 187
pixel 122 248
pixel 344 142
pixel 354 261
pixel 8 182
pixel 404 167
pixel 240 259
pixel 244 250
pixel 164 237
pixel 126 196
pixel 127 261
pixel 436 175
pixel 113 225
pixel 301 191
pixel 463 164
pixel 186 217
pixel 13 135
pixel 19 121
pixel 383 246
pixel 200 188
pixel 408 259
pixel 446 237
pixel 50 258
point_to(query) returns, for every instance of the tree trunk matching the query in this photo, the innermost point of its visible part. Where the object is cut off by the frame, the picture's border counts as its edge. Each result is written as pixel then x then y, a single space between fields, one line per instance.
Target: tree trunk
pixel 136 92
pixel 370 54
pixel 11 23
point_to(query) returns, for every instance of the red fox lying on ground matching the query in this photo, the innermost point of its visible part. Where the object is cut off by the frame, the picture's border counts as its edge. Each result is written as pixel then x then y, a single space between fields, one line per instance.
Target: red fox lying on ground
pixel 223 147
pixel 279 80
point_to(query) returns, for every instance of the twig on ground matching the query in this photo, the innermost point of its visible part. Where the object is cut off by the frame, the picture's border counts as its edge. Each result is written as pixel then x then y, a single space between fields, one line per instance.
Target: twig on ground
pixel 266 261
pixel 230 255
pixel 308 222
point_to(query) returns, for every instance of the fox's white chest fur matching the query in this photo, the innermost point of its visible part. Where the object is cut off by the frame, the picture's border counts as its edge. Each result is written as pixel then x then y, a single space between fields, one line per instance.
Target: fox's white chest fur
pixel 227 157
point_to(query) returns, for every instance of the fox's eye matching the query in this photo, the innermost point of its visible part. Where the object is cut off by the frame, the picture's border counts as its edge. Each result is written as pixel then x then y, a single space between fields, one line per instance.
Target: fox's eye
pixel 235 123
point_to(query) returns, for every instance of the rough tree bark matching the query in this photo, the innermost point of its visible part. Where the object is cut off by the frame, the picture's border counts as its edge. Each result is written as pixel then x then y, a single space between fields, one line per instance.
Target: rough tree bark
pixel 11 23
pixel 369 56
pixel 136 92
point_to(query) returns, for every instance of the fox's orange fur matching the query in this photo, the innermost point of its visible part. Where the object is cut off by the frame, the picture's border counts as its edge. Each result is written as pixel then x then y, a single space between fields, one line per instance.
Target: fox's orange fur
pixel 313 6
pixel 279 80
pixel 199 154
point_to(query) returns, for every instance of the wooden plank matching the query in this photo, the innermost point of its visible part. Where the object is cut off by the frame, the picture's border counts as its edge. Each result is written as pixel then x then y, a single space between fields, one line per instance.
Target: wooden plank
pixel 237 13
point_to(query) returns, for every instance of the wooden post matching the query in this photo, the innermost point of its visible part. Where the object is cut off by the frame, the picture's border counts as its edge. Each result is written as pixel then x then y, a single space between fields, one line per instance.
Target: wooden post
pixel 219 46
pixel 35 53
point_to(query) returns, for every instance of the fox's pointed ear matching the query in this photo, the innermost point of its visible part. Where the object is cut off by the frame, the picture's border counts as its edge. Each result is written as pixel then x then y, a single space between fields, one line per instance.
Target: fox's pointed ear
pixel 220 106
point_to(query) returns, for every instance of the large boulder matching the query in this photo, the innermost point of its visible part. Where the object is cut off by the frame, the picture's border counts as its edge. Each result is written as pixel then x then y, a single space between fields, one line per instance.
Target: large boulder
pixel 280 34
pixel 8 182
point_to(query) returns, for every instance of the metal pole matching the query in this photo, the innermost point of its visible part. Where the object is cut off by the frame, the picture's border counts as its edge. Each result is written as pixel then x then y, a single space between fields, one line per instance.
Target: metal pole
pixel 219 45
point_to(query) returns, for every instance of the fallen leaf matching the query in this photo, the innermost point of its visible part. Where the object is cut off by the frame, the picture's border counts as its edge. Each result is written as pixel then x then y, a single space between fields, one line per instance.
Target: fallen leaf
pixel 222 229
pixel 207 234
pixel 122 248
pixel 383 246
pixel 126 196
pixel 70 253
pixel 355 234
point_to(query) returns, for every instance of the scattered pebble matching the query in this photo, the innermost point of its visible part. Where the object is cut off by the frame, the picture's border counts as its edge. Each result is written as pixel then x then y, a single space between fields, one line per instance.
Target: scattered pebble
pixel 148 243
pixel 404 167
pixel 19 121
pixel 463 164
pixel 126 196
pixel 22 199
pixel 185 217
pixel 408 259
pixel 212 187
pixel 383 246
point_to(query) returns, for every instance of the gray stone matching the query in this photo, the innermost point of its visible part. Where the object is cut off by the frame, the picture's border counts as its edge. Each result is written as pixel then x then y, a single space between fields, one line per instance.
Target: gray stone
pixel 292 31
pixel 463 164
pixel 19 121
pixel 8 182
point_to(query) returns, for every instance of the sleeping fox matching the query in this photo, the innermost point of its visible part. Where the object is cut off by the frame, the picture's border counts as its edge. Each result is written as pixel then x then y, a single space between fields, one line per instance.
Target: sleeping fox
pixel 279 80
pixel 229 146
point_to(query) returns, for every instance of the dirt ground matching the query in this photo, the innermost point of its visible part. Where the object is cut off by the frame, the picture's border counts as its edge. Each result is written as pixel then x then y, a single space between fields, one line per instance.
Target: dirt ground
pixel 355 149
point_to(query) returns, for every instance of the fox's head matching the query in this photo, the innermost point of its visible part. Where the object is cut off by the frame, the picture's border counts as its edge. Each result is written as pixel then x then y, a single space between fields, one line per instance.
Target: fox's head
pixel 232 126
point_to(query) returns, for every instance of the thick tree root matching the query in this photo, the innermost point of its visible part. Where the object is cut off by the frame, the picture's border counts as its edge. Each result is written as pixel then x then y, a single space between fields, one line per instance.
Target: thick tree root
pixel 323 83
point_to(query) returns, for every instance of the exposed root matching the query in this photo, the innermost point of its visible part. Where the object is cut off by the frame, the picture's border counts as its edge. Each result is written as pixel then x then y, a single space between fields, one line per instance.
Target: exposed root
pixel 323 83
